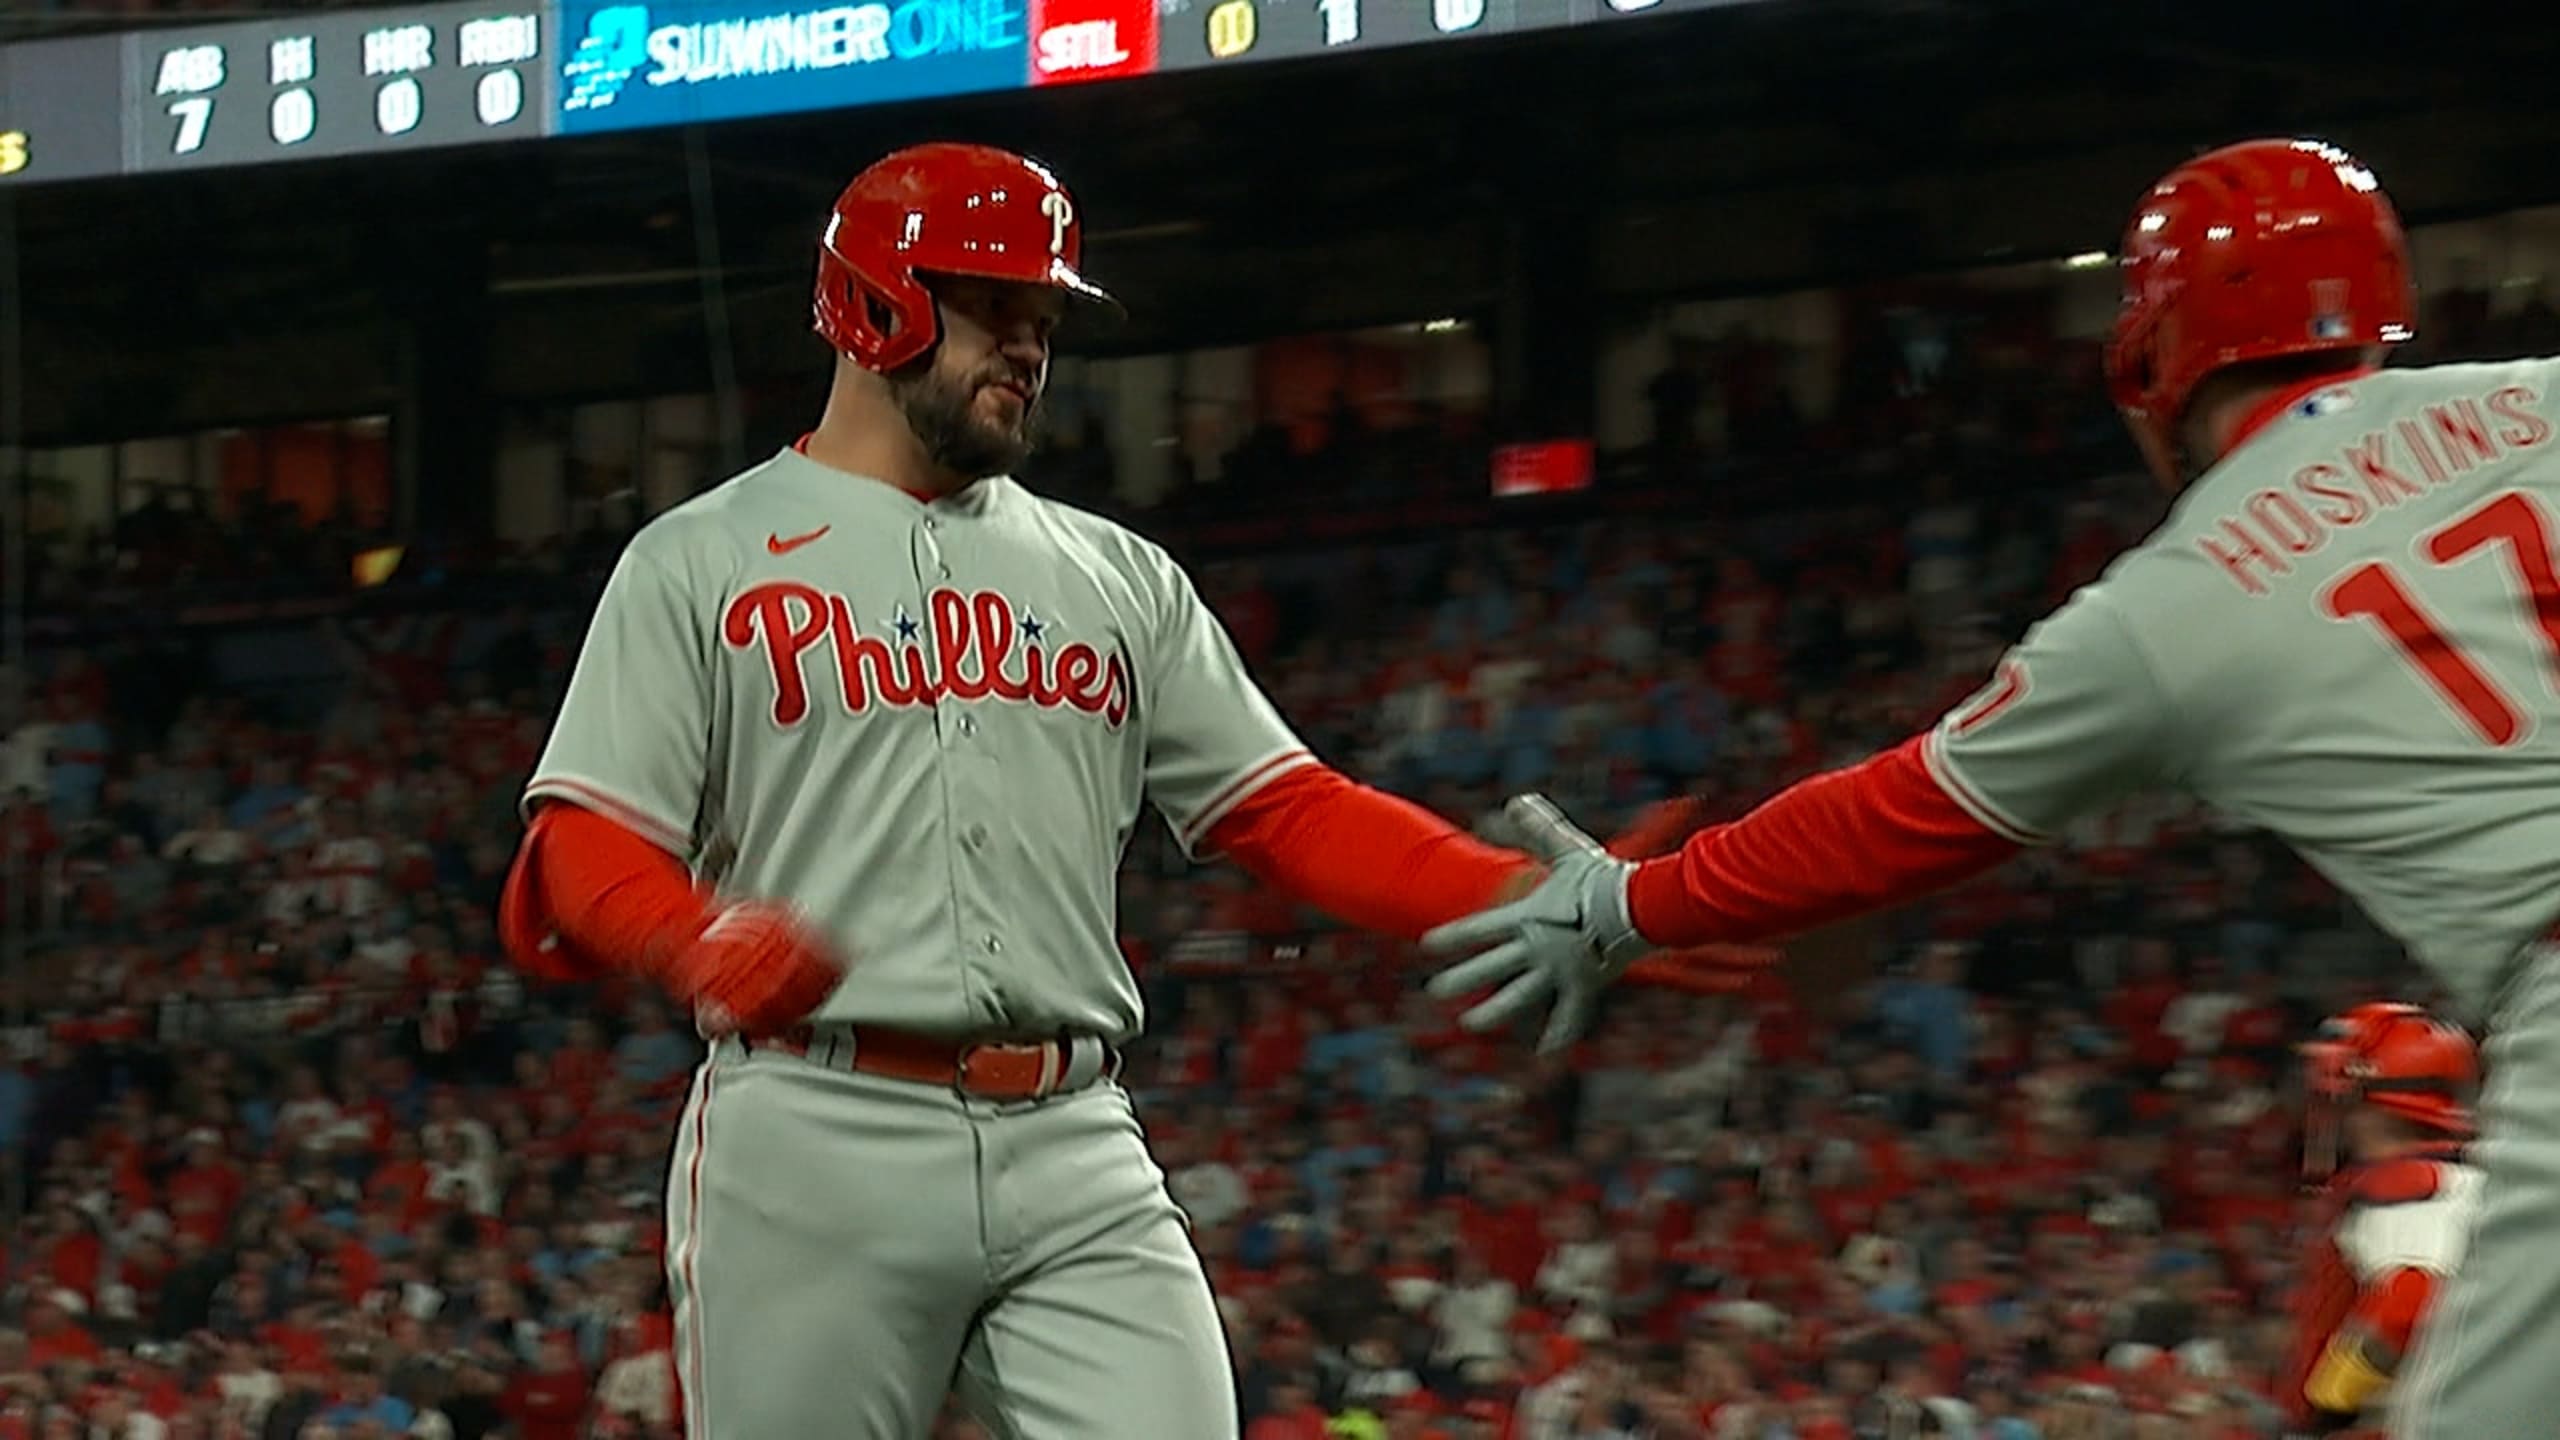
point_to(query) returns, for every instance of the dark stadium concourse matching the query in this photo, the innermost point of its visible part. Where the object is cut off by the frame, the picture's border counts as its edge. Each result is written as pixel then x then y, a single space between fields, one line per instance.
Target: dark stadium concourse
pixel 1539 187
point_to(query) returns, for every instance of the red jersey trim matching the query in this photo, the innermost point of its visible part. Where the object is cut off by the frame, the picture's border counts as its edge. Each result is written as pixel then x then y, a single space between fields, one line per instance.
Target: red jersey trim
pixel 1934 758
pixel 588 795
pixel 1235 792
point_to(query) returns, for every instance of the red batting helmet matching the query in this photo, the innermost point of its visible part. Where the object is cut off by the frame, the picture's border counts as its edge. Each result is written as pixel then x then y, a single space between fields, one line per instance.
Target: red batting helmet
pixel 2395 1058
pixel 2256 251
pixel 939 209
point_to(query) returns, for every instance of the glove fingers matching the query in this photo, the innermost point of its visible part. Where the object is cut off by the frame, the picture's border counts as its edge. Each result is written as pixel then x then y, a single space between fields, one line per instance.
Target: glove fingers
pixel 1510 1002
pixel 1470 932
pixel 1544 829
pixel 1469 976
pixel 1571 1017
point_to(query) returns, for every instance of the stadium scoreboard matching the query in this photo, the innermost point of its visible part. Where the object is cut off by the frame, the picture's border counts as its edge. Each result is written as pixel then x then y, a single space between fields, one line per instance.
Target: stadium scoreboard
pixel 340 83
pixel 337 82
pixel 377 80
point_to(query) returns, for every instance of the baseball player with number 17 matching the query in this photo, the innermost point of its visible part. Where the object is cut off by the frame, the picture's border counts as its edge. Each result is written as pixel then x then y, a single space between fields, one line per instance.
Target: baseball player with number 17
pixel 2347 632
pixel 852 750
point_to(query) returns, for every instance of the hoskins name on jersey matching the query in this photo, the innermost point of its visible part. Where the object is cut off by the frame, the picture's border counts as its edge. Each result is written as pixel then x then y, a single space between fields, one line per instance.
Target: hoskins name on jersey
pixel 2400 462
pixel 983 647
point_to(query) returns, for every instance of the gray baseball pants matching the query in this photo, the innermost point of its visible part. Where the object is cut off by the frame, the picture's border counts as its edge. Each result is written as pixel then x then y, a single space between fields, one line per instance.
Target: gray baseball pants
pixel 846 1250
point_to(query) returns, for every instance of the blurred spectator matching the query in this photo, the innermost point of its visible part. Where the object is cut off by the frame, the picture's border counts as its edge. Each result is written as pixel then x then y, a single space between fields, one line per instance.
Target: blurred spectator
pixel 1473 1316
pixel 549 1400
pixel 1293 1413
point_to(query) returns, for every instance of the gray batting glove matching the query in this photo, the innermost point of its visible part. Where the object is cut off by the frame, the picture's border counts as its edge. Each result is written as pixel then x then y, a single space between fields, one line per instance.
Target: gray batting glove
pixel 1563 942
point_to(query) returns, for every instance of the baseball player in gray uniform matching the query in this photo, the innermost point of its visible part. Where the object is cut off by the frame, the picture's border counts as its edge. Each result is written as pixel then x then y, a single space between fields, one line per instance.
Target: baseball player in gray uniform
pixel 851 752
pixel 2347 632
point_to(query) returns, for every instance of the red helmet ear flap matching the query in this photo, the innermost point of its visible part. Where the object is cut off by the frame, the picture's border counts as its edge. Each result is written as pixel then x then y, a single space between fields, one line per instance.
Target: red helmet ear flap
pixel 883 319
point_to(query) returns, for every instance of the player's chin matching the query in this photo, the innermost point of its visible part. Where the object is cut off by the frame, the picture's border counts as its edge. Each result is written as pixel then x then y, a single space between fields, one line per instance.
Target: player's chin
pixel 996 449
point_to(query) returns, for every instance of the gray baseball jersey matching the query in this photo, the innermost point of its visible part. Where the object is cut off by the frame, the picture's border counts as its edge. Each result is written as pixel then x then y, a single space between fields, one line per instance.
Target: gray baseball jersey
pixel 2348 633
pixel 929 726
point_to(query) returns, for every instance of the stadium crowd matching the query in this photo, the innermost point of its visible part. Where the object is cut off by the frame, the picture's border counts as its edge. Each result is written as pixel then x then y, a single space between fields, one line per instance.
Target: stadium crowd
pixel 295 1154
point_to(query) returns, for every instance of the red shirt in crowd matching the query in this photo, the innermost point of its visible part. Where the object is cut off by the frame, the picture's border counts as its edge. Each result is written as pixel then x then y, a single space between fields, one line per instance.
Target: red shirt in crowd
pixel 579 1071
pixel 52 1340
pixel 400 1188
pixel 71 1261
pixel 2135 1013
pixel 547 1404
pixel 298 1348
pixel 1275 1048
pixel 1512 1239
pixel 201 1199
pixel 2256 1029
pixel 1308 1422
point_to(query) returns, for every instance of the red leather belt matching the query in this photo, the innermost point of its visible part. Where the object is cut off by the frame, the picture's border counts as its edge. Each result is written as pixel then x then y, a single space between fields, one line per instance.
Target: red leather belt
pixel 989 1070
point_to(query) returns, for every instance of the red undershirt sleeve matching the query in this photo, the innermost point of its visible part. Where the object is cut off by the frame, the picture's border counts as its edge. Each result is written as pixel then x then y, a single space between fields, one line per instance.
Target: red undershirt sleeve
pixel 2391 1307
pixel 1877 834
pixel 588 895
pixel 1361 855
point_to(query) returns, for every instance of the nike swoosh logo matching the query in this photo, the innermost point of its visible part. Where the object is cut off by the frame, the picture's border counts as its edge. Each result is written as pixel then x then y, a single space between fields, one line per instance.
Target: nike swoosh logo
pixel 780 546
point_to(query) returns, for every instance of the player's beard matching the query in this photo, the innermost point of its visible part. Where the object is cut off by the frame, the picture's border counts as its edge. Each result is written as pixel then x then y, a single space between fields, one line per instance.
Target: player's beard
pixel 943 411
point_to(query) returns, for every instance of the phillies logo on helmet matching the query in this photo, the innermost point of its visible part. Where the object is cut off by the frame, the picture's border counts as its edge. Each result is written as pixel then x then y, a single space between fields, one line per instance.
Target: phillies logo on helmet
pixel 982 647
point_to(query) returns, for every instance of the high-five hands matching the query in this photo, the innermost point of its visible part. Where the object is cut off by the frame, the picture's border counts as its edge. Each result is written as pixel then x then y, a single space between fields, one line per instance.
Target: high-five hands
pixel 1560 944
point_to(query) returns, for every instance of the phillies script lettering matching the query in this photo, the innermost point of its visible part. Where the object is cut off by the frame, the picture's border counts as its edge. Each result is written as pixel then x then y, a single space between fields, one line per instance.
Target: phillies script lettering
pixel 982 649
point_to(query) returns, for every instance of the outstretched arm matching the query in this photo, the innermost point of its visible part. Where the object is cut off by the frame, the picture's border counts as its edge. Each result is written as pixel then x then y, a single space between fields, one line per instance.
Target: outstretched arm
pixel 1868 837
pixel 2070 722
pixel 1232 778
pixel 1363 856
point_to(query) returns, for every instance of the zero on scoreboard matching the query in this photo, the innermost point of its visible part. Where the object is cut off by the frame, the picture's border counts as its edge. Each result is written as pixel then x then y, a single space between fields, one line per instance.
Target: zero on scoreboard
pixel 453 72
pixel 336 83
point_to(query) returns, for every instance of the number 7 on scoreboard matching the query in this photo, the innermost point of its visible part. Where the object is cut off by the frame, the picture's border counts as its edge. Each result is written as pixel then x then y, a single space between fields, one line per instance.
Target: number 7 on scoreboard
pixel 192 114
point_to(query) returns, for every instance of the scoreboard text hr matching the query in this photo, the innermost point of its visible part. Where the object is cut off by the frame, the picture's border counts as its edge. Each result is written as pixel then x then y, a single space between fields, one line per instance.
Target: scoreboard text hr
pixel 338 83
pixel 413 76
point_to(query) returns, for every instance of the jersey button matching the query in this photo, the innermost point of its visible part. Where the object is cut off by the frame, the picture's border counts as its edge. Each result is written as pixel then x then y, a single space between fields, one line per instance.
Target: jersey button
pixel 991 944
pixel 977 837
pixel 968 724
